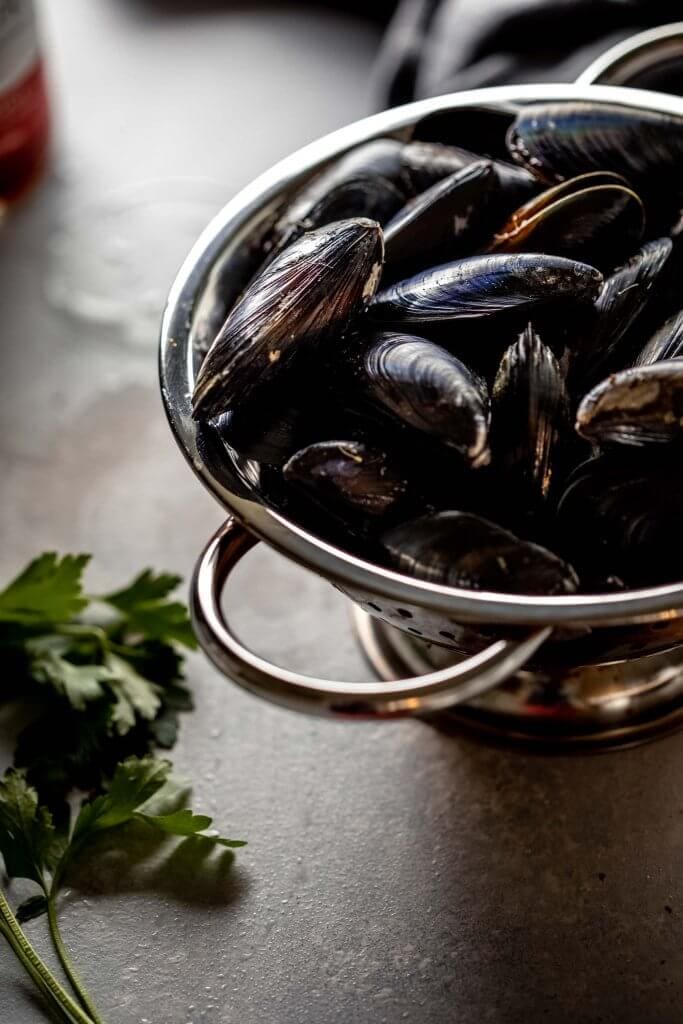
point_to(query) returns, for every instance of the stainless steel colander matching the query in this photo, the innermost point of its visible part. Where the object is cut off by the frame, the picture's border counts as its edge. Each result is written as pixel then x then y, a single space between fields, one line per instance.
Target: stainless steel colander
pixel 575 667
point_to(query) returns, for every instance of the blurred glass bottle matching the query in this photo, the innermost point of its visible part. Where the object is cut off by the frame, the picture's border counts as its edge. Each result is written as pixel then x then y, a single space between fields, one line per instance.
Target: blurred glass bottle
pixel 24 114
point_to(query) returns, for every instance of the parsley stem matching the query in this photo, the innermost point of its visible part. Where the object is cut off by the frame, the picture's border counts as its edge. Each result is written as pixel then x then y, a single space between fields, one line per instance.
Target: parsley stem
pixel 65 960
pixel 54 1009
pixel 58 999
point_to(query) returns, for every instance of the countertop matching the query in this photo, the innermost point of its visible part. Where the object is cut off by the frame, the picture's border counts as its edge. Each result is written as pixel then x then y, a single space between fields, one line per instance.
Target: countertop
pixel 393 872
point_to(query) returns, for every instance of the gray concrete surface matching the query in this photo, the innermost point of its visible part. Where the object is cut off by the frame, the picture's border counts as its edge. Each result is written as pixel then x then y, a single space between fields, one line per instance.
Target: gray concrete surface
pixel 393 873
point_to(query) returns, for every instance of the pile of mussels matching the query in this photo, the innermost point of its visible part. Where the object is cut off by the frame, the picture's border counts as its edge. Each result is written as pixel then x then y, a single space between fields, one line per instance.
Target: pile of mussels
pixel 461 353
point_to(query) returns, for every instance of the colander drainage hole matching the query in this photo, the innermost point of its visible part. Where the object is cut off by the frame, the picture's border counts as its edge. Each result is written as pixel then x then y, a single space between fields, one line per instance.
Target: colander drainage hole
pixel 404 613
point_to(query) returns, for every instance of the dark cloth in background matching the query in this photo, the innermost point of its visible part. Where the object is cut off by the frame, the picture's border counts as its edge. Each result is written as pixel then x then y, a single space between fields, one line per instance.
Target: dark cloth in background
pixel 437 46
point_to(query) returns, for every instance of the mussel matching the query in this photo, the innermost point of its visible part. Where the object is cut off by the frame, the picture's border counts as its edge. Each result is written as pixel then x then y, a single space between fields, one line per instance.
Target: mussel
pixel 440 223
pixel 530 413
pixel 268 428
pixel 373 169
pixel 348 473
pixel 594 217
pixel 620 513
pixel 561 139
pixel 622 301
pixel 425 163
pixel 665 343
pixel 373 197
pixel 480 286
pixel 459 549
pixel 641 405
pixel 429 389
pixel 312 289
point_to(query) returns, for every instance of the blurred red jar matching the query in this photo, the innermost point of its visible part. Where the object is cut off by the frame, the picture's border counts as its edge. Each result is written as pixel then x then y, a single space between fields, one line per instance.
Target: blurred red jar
pixel 24 115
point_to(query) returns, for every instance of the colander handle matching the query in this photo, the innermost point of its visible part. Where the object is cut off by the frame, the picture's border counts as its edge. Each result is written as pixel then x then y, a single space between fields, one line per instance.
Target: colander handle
pixel 640 53
pixel 431 692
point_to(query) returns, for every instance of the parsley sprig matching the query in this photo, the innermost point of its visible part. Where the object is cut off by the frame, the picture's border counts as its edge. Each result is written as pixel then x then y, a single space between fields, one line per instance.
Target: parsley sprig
pixel 106 670
pixel 106 673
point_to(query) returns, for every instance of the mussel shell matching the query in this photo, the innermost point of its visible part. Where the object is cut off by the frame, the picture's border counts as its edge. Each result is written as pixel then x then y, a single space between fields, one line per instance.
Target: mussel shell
pixel 348 474
pixel 459 549
pixel 621 513
pixel 558 140
pixel 665 343
pixel 440 223
pixel 623 300
pixel 516 185
pixel 425 163
pixel 481 286
pixel 545 198
pixel 275 423
pixel 597 223
pixel 429 389
pixel 378 160
pixel 370 196
pixel 530 414
pixel 311 290
pixel 638 406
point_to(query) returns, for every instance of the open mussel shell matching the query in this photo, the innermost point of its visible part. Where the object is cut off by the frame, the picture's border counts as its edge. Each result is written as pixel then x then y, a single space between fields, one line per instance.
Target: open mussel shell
pixel 530 415
pixel 440 223
pixel 559 140
pixel 597 222
pixel 459 549
pixel 638 406
pixel 348 474
pixel 481 286
pixel 620 513
pixel 429 389
pixel 665 343
pixel 623 300
pixel 312 289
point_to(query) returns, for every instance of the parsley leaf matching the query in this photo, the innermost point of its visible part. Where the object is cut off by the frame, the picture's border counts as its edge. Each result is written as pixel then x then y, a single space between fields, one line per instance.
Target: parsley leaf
pixel 145 588
pixel 147 611
pixel 48 590
pixel 134 695
pixel 49 664
pixel 139 788
pixel 29 842
pixel 185 823
pixel 134 782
